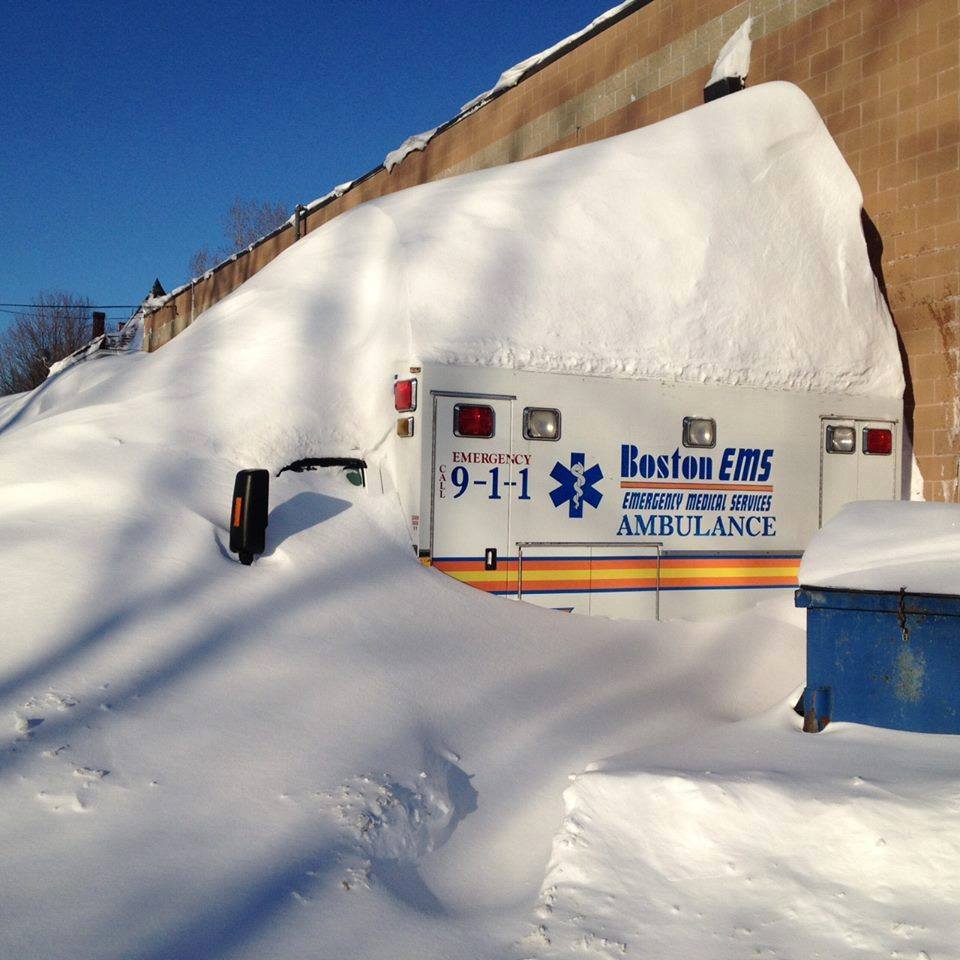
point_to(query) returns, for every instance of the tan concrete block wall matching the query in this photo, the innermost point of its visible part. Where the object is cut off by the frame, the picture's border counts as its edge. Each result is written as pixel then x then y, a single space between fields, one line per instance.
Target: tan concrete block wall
pixel 885 75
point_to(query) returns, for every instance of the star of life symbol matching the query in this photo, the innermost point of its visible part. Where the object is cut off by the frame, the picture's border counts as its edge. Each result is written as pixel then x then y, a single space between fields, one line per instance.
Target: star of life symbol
pixel 577 485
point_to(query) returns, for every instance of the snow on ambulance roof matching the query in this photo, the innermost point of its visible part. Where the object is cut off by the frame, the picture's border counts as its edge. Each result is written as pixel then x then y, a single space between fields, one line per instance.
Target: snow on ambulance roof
pixel 884 545
pixel 722 245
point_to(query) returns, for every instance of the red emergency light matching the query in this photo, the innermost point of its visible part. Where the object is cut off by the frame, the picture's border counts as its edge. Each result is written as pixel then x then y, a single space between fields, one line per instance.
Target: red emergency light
pixel 472 421
pixel 878 441
pixel 405 395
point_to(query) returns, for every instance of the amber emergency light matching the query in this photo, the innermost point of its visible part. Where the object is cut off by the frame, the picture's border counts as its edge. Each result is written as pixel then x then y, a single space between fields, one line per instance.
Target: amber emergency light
pixel 248 514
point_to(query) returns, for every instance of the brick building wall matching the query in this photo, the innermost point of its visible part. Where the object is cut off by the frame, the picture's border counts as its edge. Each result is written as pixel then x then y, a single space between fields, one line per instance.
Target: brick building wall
pixel 885 76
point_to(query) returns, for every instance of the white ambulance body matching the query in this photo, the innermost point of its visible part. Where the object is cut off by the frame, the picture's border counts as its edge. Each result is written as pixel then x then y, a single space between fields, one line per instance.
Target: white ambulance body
pixel 628 498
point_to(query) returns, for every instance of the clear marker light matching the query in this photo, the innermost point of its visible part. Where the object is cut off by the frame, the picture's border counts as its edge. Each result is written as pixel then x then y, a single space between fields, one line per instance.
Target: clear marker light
pixel 699 432
pixel 541 423
pixel 841 440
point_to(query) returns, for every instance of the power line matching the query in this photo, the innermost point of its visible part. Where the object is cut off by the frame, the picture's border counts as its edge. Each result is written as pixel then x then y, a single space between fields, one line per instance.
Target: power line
pixel 74 306
pixel 17 313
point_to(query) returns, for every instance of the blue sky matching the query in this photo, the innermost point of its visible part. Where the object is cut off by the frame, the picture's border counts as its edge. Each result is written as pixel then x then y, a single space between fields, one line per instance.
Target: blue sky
pixel 127 128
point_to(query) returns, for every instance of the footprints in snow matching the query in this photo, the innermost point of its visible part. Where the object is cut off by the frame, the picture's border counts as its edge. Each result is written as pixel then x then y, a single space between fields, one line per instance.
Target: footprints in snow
pixel 540 936
pixel 386 825
pixel 75 790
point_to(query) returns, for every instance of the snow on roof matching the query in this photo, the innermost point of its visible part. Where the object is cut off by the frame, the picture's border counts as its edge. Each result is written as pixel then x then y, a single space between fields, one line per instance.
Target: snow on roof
pixel 880 545
pixel 417 142
pixel 338 191
pixel 513 75
pixel 723 245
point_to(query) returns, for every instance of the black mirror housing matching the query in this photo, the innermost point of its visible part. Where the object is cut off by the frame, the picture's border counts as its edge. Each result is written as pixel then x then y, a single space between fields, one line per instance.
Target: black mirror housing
pixel 248 514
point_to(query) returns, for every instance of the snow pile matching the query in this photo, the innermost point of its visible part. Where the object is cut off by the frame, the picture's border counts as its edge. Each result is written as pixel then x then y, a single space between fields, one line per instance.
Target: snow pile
pixel 734 57
pixel 513 75
pixel 881 545
pixel 334 747
pixel 417 142
pixel 722 245
pixel 759 840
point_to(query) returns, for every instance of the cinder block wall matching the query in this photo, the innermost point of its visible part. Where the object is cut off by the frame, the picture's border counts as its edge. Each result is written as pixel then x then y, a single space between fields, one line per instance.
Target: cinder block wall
pixel 885 75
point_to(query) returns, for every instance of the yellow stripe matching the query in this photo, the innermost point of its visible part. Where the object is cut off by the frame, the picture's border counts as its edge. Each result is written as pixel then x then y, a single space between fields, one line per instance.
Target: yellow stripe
pixel 688 573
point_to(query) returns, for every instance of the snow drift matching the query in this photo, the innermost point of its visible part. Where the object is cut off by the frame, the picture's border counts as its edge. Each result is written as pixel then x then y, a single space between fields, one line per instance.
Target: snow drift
pixel 335 752
pixel 723 245
pixel 759 840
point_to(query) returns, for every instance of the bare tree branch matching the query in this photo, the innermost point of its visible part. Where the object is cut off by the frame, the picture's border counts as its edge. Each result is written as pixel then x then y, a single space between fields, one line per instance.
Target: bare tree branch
pixel 244 222
pixel 58 325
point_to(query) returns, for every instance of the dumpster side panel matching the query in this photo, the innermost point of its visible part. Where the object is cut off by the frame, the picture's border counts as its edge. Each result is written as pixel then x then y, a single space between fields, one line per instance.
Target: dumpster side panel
pixel 896 667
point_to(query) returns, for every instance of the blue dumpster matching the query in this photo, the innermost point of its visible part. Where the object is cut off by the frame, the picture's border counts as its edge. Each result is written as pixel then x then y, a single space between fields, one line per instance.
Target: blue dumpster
pixel 885 658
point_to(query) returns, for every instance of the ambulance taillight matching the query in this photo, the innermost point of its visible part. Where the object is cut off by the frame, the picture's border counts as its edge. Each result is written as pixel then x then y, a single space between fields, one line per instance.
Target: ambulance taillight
pixel 472 420
pixel 877 441
pixel 405 396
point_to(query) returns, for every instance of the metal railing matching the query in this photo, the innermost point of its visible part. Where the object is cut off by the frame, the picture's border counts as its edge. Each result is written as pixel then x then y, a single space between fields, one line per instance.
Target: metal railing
pixel 605 545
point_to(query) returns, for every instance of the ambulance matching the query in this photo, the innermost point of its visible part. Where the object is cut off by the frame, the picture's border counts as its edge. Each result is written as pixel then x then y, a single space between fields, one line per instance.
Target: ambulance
pixel 633 499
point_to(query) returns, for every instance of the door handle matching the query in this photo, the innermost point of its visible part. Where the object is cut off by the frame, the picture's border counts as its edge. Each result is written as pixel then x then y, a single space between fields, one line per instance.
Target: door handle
pixel 490 558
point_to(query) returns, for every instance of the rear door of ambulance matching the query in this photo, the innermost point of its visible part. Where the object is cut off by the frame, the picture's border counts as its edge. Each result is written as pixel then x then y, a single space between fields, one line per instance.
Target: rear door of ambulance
pixel 474 482
pixel 858 461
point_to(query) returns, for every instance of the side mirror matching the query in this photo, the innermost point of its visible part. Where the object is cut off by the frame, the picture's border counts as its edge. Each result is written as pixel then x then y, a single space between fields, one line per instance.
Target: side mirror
pixel 248 514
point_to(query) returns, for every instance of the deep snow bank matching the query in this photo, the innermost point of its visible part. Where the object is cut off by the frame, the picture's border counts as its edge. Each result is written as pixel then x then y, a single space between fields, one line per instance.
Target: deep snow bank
pixel 882 545
pixel 759 840
pixel 335 752
pixel 722 245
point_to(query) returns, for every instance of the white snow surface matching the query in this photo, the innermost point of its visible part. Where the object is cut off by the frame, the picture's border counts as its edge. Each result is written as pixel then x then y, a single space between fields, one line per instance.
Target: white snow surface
pixel 723 245
pixel 758 840
pixel 417 142
pixel 335 752
pixel 734 57
pixel 513 75
pixel 888 545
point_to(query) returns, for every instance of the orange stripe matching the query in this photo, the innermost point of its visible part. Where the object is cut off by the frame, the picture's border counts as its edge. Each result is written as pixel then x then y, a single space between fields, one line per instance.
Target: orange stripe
pixel 237 509
pixel 636 485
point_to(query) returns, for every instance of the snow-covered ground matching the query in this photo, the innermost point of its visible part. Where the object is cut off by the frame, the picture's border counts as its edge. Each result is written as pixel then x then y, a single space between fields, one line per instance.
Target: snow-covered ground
pixel 335 752
pixel 340 753
pixel 757 840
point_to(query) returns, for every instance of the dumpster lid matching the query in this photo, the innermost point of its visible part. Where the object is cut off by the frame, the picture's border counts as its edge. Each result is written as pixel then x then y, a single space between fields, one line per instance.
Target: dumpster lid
pixel 879 601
